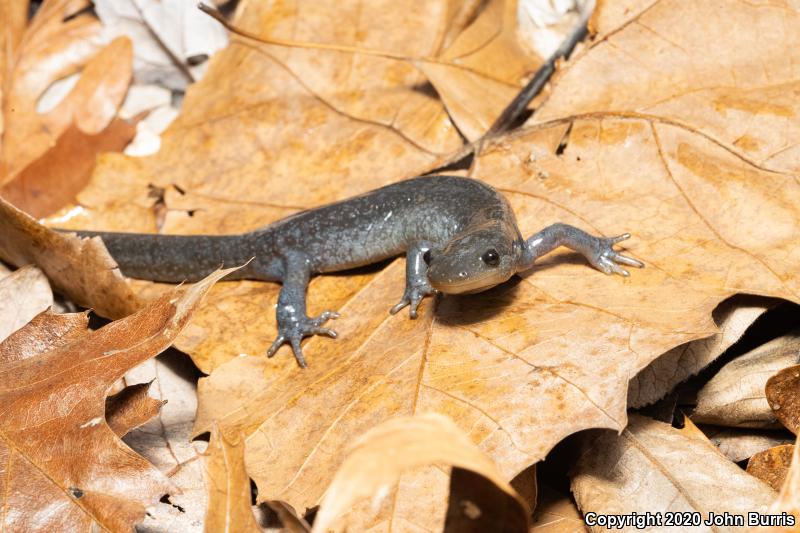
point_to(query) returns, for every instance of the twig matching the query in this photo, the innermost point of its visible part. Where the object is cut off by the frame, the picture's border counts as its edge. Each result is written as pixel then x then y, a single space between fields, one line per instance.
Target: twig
pixel 520 102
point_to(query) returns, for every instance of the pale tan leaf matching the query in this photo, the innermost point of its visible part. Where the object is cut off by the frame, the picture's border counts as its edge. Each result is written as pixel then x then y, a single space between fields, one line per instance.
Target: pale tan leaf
pixel 24 294
pixel 165 442
pixel 487 67
pixel 556 513
pixel 735 396
pixel 378 457
pixel 732 317
pixel 228 486
pixel 653 466
pixel 738 444
pixel 733 81
pixel 81 269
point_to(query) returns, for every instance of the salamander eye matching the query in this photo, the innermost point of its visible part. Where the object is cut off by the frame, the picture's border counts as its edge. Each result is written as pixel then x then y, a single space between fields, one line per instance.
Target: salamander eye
pixel 491 257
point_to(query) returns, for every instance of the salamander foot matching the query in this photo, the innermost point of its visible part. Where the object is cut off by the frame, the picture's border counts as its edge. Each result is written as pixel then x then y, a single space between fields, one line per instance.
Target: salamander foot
pixel 294 329
pixel 412 296
pixel 607 260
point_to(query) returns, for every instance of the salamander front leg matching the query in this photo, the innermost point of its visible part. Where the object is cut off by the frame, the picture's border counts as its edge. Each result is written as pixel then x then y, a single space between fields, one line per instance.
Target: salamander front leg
pixel 293 323
pixel 417 284
pixel 599 251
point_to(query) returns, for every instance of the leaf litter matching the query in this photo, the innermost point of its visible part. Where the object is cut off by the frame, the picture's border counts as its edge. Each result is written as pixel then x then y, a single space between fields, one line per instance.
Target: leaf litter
pixel 681 163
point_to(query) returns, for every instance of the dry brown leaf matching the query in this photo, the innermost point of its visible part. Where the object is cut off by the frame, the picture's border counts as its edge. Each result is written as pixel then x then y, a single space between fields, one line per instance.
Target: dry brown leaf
pixel 58 42
pixel 733 82
pixel 53 180
pixel 772 465
pixel 131 407
pixel 490 67
pixel 289 128
pixel 788 500
pixel 280 130
pixel 125 410
pixel 520 367
pixel 378 458
pixel 653 466
pixel 81 269
pixel 556 513
pixel 732 317
pixel 736 396
pixel 24 294
pixel 63 468
pixel 738 444
pixel 529 362
pixel 783 396
pixel 228 486
pixel 164 441
pixel 44 332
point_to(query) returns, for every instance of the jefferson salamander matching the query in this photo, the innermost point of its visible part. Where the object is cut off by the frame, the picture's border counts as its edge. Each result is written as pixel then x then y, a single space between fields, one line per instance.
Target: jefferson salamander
pixel 459 236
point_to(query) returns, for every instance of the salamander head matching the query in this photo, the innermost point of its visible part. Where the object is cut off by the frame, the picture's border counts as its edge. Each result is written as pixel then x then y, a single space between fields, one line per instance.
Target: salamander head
pixel 475 260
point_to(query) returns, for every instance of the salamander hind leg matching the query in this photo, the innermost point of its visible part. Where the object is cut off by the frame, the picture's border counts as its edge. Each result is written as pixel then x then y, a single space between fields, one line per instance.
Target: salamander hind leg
pixel 293 322
pixel 417 284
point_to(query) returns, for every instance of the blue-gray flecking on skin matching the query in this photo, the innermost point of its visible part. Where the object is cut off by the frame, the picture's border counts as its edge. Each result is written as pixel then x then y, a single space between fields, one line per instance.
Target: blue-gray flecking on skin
pixel 459 236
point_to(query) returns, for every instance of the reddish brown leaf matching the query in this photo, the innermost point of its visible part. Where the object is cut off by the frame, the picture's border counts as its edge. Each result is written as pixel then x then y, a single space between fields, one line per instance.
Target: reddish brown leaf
pixel 62 466
pixel 46 331
pixel 54 179
pixel 130 408
pixel 771 466
pixel 60 41
pixel 783 395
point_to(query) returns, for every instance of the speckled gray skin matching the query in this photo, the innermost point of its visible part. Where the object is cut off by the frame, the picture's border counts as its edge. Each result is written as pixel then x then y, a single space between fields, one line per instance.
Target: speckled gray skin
pixel 459 235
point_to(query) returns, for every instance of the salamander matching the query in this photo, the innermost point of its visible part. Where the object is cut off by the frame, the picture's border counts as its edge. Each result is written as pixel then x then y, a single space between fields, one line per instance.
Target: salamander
pixel 459 235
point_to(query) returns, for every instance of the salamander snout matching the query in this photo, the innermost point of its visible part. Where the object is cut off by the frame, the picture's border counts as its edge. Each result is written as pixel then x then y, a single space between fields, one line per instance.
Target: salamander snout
pixel 471 263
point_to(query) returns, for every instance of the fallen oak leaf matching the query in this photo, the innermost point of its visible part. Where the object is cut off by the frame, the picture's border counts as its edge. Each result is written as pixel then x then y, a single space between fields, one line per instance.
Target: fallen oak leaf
pixel 25 293
pixel 55 443
pixel 783 395
pixel 788 500
pixel 228 485
pixel 52 181
pixel 378 458
pixel 164 440
pixel 772 465
pixel 47 331
pixel 739 444
pixel 654 466
pixel 498 64
pixel 527 363
pixel 44 332
pixel 131 407
pixel 557 513
pixel 735 396
pixel 729 82
pixel 732 317
pixel 60 41
pixel 81 269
